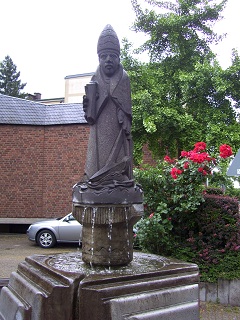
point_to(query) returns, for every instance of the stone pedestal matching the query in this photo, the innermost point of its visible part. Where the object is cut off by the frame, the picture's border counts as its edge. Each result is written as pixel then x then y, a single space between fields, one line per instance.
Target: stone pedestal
pixel 107 237
pixel 63 287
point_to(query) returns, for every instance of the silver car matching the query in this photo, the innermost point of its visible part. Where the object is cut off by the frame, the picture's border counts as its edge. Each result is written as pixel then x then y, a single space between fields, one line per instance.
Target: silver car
pixel 49 232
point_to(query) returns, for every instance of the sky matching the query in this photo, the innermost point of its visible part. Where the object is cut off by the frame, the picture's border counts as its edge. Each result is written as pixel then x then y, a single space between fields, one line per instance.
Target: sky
pixel 51 39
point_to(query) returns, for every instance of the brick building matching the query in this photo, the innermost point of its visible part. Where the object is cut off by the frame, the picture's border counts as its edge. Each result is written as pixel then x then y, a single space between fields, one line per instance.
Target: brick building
pixel 42 155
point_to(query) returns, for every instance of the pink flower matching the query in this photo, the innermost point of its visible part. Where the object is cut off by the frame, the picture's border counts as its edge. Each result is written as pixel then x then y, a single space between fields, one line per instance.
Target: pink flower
pixel 151 215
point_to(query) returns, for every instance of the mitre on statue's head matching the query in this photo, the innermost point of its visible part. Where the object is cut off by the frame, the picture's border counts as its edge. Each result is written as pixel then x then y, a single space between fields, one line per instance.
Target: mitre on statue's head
pixel 108 40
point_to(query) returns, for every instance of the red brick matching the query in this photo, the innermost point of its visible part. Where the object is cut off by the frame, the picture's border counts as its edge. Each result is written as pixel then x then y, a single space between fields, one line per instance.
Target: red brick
pixel 38 167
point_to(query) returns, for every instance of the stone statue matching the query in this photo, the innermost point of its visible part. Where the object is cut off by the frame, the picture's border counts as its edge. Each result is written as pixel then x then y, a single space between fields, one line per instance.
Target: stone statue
pixel 107 202
pixel 108 110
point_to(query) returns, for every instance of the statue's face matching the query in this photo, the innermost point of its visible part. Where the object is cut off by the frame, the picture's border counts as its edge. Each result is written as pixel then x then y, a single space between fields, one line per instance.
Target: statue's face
pixel 109 62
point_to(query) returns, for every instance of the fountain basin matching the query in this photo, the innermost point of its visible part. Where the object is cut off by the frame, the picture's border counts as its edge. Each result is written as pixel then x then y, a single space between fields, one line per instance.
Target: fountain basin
pixel 64 287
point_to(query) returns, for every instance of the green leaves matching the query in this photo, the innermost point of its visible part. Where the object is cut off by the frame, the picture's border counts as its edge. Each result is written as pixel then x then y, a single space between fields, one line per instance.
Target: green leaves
pixel 181 29
pixel 149 125
pixel 182 95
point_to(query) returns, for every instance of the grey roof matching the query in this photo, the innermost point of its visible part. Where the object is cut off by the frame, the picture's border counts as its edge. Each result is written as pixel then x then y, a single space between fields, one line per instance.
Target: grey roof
pixel 20 111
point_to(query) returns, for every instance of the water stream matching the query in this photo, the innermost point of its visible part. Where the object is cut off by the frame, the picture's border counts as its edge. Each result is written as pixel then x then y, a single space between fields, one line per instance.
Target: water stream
pixel 110 227
pixel 127 232
pixel 94 211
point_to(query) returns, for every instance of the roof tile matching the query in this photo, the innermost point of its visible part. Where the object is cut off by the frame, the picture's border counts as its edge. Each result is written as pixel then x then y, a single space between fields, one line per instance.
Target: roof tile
pixel 20 111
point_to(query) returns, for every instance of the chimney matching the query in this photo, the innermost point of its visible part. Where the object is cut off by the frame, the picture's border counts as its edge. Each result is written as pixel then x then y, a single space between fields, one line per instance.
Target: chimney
pixel 37 96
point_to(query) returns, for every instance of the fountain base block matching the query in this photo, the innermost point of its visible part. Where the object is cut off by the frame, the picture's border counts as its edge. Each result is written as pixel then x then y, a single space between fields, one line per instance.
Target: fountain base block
pixel 63 287
pixel 107 235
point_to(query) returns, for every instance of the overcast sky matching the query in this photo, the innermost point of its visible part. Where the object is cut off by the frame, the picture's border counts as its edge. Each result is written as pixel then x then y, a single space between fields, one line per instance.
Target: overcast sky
pixel 50 39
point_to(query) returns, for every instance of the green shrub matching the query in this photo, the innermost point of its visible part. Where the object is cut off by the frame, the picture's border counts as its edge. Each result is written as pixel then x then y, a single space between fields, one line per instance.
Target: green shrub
pixel 154 234
pixel 184 221
pixel 214 239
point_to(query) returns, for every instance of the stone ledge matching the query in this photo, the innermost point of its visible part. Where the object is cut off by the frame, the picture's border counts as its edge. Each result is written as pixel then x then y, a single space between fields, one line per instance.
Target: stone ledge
pixel 226 292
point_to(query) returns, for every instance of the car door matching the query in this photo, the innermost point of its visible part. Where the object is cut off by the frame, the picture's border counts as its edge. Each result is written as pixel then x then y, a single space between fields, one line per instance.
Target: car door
pixel 70 229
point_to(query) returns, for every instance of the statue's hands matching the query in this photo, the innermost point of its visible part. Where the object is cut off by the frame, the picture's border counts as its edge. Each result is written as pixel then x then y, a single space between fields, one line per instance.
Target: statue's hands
pixel 125 121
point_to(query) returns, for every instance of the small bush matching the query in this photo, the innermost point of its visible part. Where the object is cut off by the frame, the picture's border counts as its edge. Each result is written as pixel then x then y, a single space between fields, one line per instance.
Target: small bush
pixel 214 239
pixel 186 220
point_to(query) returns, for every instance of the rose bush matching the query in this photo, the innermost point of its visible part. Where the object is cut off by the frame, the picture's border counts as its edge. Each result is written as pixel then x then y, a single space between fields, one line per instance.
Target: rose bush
pixel 175 186
pixel 174 192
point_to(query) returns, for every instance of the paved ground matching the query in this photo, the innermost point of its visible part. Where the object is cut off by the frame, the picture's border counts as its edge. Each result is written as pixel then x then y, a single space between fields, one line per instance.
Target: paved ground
pixel 213 311
pixel 15 247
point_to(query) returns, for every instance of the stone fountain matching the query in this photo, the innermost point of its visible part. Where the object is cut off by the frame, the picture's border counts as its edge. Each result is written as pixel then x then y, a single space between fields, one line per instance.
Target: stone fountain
pixel 106 281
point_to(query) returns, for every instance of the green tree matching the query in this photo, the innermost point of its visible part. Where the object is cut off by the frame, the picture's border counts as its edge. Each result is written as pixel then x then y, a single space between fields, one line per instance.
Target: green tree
pixel 183 30
pixel 182 95
pixel 10 84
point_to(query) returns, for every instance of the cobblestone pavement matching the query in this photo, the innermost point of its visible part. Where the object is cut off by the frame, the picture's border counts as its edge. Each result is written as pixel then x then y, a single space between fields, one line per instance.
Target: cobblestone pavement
pixel 15 247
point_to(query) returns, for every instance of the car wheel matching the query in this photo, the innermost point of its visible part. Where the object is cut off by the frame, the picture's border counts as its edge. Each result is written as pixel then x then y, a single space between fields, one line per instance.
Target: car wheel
pixel 46 239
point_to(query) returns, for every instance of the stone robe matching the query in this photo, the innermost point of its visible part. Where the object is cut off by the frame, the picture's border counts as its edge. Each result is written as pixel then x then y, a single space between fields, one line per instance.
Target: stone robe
pixel 109 156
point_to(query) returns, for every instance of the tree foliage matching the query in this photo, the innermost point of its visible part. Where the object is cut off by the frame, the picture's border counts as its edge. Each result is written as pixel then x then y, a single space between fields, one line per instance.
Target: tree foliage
pixel 182 30
pixel 182 95
pixel 10 84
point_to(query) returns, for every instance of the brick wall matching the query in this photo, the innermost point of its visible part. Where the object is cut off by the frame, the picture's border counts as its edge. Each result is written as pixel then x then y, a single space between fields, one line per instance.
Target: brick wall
pixel 38 167
pixel 147 156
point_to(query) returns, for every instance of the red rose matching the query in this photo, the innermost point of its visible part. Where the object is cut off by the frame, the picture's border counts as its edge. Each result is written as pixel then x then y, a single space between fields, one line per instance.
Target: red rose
pixel 168 159
pixel 199 146
pixel 186 165
pixel 225 151
pixel 175 172
pixel 184 154
pixel 199 157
